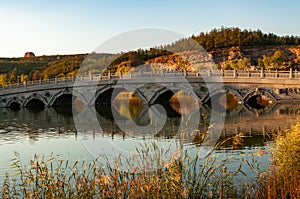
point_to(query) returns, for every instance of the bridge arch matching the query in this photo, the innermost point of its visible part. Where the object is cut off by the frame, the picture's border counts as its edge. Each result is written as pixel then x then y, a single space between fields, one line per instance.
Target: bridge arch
pixel 107 93
pixel 223 90
pixel 260 91
pixel 262 110
pixel 14 103
pixel 250 99
pixel 166 93
pixel 35 100
pixel 66 97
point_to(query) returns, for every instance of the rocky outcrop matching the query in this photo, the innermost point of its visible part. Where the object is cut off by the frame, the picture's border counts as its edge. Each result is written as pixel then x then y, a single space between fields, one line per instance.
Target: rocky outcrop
pixel 291 54
pixel 29 54
pixel 218 56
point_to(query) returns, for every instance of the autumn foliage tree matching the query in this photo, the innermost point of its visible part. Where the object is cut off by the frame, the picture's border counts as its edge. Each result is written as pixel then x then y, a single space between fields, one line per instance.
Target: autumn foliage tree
pixel 237 64
pixel 273 62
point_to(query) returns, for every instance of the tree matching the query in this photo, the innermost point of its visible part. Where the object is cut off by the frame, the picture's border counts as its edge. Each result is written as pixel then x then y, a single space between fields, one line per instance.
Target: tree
pixel 23 78
pixel 277 59
pixel 12 77
pixel 3 79
pixel 266 62
pixel 274 62
pixel 226 37
pixel 261 63
pixel 36 75
pixel 237 64
pixel 243 64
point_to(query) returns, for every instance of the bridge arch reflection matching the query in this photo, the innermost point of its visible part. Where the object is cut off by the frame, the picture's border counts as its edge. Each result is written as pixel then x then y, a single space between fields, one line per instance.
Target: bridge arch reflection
pixel 259 99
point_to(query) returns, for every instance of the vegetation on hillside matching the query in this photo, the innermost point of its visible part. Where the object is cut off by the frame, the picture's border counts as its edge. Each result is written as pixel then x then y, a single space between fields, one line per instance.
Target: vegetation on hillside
pixel 227 37
pixel 272 62
pixel 13 70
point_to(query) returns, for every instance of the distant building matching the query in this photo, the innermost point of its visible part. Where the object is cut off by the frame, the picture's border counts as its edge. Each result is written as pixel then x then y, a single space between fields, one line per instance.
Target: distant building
pixel 29 54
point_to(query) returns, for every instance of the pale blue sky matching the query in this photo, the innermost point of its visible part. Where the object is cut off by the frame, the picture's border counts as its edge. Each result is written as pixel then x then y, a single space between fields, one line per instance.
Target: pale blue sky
pixel 67 27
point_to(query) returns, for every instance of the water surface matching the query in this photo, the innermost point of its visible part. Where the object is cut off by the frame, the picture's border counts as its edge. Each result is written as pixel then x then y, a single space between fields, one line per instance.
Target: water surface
pixel 53 130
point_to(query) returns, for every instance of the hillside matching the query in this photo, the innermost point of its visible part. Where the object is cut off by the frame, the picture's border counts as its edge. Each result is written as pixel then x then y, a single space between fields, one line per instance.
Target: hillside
pixel 254 53
pixel 229 48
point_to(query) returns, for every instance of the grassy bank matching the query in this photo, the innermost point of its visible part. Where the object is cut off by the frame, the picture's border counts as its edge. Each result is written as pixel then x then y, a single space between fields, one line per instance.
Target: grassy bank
pixel 282 180
pixel 149 175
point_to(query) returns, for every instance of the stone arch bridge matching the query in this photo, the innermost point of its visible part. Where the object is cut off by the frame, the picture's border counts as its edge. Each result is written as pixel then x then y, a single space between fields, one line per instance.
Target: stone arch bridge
pixel 151 88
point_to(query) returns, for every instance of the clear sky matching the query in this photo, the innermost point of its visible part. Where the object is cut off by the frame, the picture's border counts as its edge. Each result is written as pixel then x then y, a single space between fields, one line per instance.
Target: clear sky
pixel 67 27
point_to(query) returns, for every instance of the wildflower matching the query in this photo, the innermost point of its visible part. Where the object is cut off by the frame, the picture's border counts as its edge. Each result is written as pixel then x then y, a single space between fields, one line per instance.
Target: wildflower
pixel 105 179
pixel 185 193
pixel 210 194
pixel 260 152
pixel 168 165
pixel 263 175
pixel 176 154
pixel 134 169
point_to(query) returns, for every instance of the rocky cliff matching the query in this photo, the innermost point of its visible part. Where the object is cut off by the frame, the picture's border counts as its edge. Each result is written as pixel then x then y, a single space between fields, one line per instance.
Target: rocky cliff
pixel 220 55
pixel 291 54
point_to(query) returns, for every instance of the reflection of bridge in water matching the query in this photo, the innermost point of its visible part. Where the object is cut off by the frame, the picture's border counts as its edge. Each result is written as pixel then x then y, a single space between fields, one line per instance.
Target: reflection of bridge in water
pixel 279 117
pixel 239 120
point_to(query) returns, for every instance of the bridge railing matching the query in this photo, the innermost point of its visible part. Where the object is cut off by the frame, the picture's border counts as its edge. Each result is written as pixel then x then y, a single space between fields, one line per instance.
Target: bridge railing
pixel 160 74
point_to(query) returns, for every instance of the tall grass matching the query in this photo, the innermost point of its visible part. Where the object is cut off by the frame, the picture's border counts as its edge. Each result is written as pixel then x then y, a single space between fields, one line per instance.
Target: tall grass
pixel 282 180
pixel 148 175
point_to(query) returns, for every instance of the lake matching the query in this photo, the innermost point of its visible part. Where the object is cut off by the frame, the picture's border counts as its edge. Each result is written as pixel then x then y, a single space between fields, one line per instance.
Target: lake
pixel 59 131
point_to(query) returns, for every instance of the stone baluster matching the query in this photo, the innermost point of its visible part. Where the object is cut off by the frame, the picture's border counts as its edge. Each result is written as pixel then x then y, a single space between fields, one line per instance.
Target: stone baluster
pixel 91 75
pixel 262 75
pixel 291 73
pixel 234 73
pixel 162 72
pixel 141 73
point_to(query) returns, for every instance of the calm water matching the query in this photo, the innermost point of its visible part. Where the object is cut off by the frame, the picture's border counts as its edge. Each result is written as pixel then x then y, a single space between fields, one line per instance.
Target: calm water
pixel 53 130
